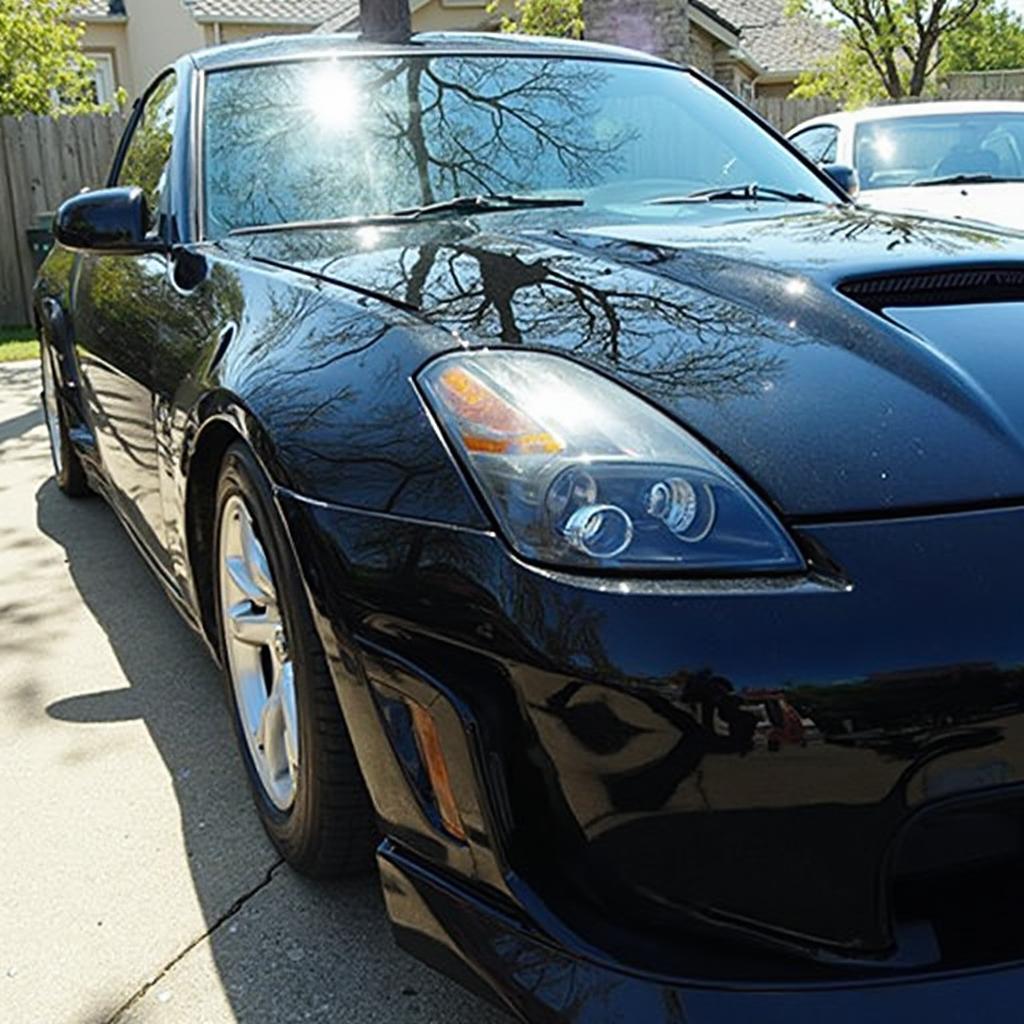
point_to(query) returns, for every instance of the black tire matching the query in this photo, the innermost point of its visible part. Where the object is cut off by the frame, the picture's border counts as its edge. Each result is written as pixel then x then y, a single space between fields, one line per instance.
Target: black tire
pixel 329 829
pixel 67 467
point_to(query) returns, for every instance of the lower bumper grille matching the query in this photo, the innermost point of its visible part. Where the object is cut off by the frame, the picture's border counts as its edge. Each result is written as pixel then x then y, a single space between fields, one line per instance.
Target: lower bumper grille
pixel 959 876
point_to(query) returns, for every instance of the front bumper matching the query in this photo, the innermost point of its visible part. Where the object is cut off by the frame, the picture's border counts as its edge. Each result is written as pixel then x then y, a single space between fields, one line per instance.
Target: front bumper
pixel 748 783
pixel 519 969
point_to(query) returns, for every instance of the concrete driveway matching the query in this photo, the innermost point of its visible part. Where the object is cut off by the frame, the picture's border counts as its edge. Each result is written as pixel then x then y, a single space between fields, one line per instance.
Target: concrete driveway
pixel 136 884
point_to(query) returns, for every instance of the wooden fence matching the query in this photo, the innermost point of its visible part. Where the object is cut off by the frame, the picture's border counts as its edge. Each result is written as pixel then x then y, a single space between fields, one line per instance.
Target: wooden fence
pixel 43 160
pixel 785 113
pixel 1006 84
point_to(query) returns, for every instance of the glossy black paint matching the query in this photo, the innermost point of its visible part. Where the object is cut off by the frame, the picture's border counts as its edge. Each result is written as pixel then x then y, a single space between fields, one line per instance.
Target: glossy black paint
pixel 735 325
pixel 684 799
pixel 111 220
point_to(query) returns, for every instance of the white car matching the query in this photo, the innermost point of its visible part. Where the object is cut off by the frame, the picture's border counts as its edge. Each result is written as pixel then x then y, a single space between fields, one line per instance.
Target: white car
pixel 960 160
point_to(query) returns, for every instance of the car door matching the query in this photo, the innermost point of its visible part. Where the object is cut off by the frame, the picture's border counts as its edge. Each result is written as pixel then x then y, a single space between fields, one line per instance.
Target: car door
pixel 118 308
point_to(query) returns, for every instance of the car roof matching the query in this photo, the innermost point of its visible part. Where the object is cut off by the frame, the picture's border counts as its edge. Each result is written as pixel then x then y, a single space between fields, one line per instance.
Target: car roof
pixel 851 118
pixel 270 49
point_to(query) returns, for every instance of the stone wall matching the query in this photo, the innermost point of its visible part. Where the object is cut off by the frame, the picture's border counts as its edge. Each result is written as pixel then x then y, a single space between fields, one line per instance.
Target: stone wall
pixel 703 47
pixel 661 27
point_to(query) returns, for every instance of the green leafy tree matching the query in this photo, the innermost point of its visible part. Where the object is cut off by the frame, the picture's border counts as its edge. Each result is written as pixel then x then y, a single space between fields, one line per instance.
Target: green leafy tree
pixel 889 48
pixel 991 40
pixel 544 18
pixel 42 67
pixel 846 75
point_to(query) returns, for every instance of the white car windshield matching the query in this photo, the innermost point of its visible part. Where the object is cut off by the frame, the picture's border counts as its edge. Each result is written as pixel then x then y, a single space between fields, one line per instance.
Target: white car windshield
pixel 939 149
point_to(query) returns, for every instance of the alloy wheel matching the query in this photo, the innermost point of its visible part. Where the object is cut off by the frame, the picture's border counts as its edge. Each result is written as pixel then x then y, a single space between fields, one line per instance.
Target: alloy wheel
pixel 51 412
pixel 258 657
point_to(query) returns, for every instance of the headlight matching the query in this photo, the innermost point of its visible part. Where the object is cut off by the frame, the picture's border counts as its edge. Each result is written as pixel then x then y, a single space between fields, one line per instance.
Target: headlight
pixel 580 472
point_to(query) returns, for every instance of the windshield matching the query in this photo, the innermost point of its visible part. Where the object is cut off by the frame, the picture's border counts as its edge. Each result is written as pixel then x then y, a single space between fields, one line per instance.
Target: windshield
pixel 355 136
pixel 899 151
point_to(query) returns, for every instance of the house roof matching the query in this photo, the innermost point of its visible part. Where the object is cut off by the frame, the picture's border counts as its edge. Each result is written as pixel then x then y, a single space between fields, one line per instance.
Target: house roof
pixel 344 16
pixel 98 9
pixel 712 11
pixel 777 41
pixel 291 12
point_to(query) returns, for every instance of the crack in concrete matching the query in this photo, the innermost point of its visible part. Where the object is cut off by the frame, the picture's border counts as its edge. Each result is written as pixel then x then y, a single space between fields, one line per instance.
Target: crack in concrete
pixel 235 907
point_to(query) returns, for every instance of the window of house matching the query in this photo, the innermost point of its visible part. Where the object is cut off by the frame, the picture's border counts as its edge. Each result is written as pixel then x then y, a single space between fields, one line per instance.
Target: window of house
pixel 103 81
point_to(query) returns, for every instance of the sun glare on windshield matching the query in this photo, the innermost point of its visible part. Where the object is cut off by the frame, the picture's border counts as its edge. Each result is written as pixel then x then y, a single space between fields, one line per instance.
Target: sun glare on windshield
pixel 332 98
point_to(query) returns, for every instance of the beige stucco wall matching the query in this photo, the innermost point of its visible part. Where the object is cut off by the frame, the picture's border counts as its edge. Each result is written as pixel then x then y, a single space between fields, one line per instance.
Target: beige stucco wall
pixel 453 15
pixel 233 32
pixel 157 32
pixel 112 38
pixel 153 36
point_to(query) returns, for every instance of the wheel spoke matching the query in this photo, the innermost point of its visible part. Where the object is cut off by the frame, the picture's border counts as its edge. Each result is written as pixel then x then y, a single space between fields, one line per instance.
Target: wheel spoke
pixel 255 559
pixel 51 409
pixel 258 659
pixel 268 733
pixel 238 571
pixel 290 715
pixel 252 627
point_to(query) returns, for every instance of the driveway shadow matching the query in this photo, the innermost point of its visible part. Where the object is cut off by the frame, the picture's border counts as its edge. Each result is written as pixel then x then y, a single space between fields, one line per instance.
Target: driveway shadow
pixel 284 948
pixel 18 425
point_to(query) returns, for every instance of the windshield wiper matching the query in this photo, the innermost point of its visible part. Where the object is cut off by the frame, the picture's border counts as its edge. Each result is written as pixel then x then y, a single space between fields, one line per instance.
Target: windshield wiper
pixel 485 202
pixel 961 179
pixel 749 192
pixel 481 203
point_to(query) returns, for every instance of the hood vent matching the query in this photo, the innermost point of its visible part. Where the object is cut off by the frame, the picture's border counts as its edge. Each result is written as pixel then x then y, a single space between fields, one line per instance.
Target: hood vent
pixel 938 287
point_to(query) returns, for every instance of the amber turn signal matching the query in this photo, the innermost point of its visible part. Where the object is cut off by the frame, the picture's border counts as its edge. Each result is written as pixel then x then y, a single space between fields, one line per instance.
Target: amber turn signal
pixel 429 744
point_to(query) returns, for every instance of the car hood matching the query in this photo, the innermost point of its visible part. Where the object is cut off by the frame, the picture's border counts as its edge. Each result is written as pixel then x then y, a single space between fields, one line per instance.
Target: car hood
pixel 1001 204
pixel 737 326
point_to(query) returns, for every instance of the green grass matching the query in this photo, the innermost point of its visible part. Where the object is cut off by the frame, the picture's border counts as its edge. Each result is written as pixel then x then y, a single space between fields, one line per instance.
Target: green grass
pixel 18 343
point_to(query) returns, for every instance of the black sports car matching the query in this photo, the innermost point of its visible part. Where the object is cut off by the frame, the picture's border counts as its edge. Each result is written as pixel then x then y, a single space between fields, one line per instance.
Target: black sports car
pixel 592 510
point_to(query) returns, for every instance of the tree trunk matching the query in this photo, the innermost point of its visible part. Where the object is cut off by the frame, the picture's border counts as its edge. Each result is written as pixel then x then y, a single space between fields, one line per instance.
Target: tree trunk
pixel 922 62
pixel 385 20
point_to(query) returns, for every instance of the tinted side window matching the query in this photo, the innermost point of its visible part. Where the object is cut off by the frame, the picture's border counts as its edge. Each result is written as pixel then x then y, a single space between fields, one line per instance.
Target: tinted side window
pixel 818 144
pixel 148 154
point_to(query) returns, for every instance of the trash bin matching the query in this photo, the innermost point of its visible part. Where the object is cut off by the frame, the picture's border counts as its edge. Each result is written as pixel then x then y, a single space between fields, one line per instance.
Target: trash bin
pixel 40 239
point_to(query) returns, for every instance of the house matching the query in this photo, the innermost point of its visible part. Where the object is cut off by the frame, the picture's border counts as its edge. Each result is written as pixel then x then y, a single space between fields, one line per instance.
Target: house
pixel 429 16
pixel 750 46
pixel 131 40
pixel 781 46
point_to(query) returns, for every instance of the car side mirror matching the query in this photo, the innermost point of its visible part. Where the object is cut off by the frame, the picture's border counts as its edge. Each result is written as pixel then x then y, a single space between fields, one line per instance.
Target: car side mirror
pixel 845 177
pixel 111 220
